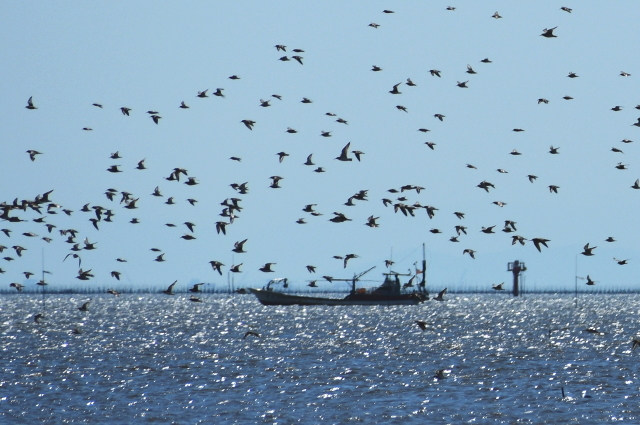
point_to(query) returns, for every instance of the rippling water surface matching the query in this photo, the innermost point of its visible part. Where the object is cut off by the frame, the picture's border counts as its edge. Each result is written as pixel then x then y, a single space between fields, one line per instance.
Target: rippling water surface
pixel 155 358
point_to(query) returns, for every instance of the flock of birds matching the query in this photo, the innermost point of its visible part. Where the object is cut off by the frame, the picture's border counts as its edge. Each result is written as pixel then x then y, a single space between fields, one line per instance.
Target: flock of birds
pixel 45 206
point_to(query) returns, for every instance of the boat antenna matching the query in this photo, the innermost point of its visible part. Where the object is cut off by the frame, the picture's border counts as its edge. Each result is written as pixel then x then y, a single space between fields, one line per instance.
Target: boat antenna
pixel 423 284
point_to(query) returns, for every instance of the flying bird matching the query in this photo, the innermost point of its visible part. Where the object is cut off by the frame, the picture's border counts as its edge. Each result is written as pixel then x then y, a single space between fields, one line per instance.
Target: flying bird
pixel 540 241
pixel 248 123
pixel 196 287
pixel 548 33
pixel 440 296
pixel 238 247
pixel 422 325
pixel 275 182
pixel 588 251
pixel 217 266
pixel 32 154
pixel 344 155
pixel 18 286
pixel 30 104
pixel 266 268
pixel 169 290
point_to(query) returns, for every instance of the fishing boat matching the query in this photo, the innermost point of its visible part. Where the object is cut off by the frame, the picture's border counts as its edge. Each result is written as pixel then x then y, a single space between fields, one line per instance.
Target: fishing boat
pixel 391 292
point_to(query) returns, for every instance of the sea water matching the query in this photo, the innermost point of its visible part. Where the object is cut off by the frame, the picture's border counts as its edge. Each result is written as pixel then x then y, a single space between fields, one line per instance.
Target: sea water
pixel 154 358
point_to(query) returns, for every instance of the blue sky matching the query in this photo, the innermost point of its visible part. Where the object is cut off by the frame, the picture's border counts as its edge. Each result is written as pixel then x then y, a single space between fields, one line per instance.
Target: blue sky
pixel 154 55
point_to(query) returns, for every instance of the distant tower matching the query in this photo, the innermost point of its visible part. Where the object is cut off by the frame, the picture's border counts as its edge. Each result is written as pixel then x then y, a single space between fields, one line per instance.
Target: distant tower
pixel 516 268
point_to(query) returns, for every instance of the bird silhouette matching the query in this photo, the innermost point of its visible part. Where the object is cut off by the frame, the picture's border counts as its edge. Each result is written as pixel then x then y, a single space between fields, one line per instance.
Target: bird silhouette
pixel 169 290
pixel 540 241
pixel 32 154
pixel 344 155
pixel 267 268
pixel 238 247
pixel 588 251
pixel 422 325
pixel 30 103
pixel 440 296
pixel 196 287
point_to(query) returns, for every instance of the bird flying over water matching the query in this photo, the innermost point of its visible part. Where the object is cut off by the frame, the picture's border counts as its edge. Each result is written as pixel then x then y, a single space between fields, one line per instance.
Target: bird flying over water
pixel 169 290
pixel 440 296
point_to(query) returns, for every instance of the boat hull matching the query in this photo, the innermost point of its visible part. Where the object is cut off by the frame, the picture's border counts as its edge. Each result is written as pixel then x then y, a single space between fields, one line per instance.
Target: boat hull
pixel 278 298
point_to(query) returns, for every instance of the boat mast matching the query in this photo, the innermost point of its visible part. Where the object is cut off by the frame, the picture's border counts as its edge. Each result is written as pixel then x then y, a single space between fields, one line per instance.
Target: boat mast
pixel 44 303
